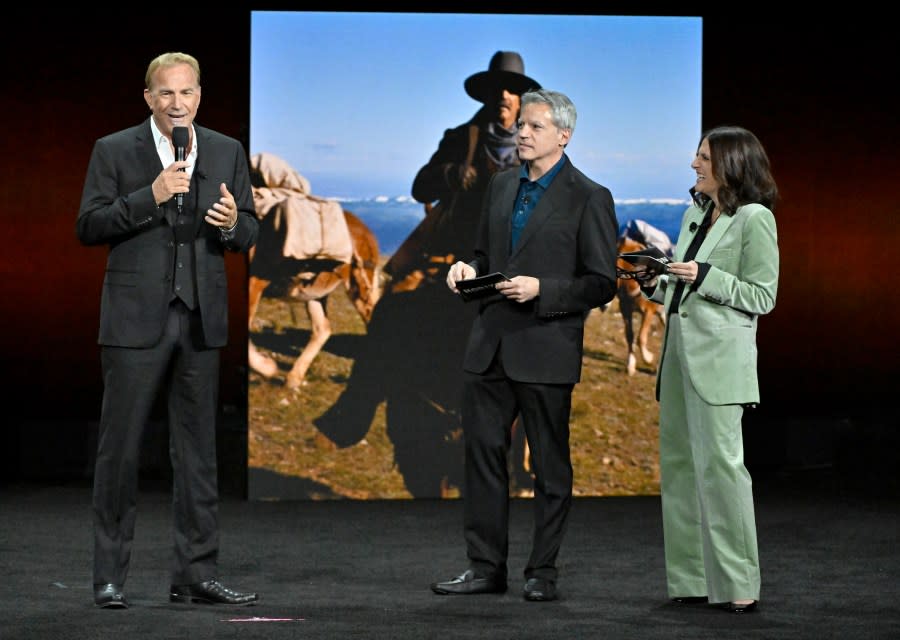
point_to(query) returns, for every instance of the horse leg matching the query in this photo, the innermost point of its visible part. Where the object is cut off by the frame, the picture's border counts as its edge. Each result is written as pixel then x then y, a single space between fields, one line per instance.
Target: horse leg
pixel 626 307
pixel 520 460
pixel 631 366
pixel 256 287
pixel 363 280
pixel 321 331
pixel 644 333
pixel 363 286
pixel 263 365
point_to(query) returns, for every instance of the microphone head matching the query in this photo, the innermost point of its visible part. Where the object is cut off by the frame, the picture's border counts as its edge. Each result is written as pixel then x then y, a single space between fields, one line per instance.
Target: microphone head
pixel 180 137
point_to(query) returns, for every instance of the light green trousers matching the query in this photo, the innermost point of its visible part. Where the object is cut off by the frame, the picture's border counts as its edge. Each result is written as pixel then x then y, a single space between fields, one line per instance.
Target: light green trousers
pixel 709 526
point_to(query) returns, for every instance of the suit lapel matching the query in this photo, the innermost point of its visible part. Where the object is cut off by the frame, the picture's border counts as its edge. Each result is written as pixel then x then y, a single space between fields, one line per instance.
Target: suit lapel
pixel 713 236
pixel 696 218
pixel 151 165
pixel 505 203
pixel 207 193
pixel 546 207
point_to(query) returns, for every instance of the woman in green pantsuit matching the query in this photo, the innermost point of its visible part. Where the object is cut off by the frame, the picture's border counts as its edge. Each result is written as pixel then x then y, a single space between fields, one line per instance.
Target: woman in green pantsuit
pixel 723 277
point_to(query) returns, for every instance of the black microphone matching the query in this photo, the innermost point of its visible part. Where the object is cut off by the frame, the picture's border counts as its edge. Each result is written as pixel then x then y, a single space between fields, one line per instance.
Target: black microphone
pixel 180 140
pixel 693 227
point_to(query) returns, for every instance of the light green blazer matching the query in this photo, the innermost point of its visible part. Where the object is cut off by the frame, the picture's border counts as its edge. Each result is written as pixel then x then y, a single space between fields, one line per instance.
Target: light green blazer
pixel 718 320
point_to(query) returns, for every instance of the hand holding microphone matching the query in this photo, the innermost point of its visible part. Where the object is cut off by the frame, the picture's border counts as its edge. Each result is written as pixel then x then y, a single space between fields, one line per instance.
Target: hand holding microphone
pixel 174 181
pixel 180 138
pixel 171 182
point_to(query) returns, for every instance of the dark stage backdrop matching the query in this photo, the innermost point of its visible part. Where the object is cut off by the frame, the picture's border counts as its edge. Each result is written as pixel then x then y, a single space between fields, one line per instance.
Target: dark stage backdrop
pixel 813 89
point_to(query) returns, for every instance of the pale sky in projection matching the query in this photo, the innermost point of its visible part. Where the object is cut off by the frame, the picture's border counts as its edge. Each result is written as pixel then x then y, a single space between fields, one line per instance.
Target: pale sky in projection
pixel 357 102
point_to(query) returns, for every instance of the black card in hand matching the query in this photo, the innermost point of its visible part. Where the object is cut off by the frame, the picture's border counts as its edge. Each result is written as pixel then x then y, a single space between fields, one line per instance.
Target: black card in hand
pixel 652 258
pixel 480 287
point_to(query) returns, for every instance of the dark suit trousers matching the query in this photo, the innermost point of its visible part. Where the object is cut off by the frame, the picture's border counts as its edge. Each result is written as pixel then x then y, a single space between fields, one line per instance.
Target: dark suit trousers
pixel 491 402
pixel 188 372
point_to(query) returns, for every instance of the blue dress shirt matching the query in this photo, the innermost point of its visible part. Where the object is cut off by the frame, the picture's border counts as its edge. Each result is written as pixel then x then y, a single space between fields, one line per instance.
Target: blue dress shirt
pixel 528 196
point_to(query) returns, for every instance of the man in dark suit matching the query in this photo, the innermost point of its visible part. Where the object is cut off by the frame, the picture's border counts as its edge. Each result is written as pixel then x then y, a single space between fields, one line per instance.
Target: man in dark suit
pixel 553 232
pixel 163 317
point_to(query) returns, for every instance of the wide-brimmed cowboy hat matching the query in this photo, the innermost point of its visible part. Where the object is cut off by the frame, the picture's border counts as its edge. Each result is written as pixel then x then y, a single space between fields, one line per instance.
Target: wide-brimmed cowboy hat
pixel 505 71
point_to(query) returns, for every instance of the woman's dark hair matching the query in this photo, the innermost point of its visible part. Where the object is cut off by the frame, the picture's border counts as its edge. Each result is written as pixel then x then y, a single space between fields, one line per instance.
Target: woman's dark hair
pixel 741 167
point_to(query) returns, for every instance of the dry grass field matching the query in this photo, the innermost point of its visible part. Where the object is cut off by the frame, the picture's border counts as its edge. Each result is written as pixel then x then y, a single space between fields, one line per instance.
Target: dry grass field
pixel 614 423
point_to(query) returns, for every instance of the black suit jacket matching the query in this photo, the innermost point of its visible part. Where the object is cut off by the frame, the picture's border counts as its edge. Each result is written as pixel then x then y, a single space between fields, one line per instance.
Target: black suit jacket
pixel 569 244
pixel 118 209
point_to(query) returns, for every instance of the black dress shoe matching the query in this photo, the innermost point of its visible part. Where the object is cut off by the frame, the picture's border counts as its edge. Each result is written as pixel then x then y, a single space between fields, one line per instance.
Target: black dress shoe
pixel 740 608
pixel 469 583
pixel 539 590
pixel 109 596
pixel 210 592
pixel 691 600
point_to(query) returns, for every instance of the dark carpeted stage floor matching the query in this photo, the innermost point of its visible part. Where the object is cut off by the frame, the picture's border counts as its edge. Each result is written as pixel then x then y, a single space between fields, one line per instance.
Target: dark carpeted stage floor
pixel 342 569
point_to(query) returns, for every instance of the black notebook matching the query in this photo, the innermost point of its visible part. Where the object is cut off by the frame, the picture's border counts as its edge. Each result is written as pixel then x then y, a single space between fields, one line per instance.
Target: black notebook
pixel 652 258
pixel 480 287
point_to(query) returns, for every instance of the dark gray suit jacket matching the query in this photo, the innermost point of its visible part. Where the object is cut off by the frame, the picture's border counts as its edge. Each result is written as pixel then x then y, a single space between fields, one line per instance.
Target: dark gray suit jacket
pixel 118 209
pixel 569 244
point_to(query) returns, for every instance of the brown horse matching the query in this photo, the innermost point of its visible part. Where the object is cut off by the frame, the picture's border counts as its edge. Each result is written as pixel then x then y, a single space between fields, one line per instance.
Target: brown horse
pixel 630 301
pixel 311 281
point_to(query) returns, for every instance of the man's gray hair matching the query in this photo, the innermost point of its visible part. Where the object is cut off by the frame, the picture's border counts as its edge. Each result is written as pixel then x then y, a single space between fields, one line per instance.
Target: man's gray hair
pixel 562 111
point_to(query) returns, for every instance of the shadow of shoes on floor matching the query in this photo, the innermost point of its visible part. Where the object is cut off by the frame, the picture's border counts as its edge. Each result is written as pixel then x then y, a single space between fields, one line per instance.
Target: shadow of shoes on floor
pixel 691 600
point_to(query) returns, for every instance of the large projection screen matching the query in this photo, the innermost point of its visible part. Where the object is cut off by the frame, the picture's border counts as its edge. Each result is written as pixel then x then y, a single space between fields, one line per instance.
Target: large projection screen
pixel 353 400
